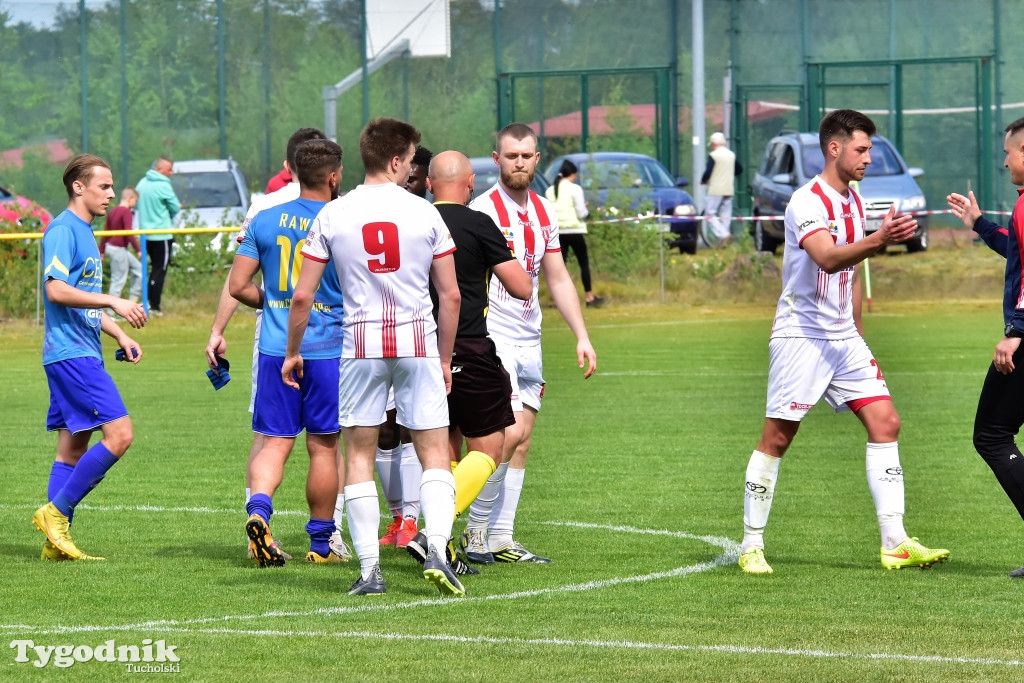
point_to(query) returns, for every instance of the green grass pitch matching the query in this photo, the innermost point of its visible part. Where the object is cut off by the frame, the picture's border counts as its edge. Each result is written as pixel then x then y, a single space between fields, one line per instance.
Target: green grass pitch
pixel 635 489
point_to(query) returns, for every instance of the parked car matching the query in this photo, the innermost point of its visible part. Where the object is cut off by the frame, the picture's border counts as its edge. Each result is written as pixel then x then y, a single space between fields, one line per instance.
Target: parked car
pixel 212 193
pixel 641 182
pixel 487 175
pixel 791 159
pixel 18 210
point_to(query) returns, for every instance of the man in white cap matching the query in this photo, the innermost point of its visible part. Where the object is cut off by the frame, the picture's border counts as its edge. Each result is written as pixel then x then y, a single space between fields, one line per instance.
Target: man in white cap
pixel 719 175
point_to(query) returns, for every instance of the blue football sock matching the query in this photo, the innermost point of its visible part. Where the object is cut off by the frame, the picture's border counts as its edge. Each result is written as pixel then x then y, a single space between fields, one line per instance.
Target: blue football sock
pixel 59 475
pixel 320 531
pixel 89 472
pixel 260 504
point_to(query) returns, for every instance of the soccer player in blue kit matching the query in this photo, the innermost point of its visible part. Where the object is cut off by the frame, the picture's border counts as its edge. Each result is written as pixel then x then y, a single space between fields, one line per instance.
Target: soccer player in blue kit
pixel 273 245
pixel 83 397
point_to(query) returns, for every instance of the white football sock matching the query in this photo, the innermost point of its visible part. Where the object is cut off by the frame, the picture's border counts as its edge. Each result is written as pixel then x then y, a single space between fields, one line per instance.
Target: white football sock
pixel 480 510
pixel 503 516
pixel 248 494
pixel 762 473
pixel 389 462
pixel 363 522
pixel 339 513
pixel 437 494
pixel 885 481
pixel 412 472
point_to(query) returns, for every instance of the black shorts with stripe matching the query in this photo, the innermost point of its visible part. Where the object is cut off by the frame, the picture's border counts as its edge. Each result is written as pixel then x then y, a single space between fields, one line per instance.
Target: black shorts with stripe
pixel 480 401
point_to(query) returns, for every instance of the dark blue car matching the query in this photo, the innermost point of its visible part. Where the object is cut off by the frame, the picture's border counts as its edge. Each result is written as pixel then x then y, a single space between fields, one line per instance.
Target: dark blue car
pixel 638 183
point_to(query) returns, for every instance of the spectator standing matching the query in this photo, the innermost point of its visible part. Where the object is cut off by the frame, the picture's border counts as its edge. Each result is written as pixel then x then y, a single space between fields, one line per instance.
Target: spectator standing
pixel 571 209
pixel 122 260
pixel 157 207
pixel 720 173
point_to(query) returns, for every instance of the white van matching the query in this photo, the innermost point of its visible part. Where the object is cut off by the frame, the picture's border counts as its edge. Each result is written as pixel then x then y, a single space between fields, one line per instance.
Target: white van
pixel 213 193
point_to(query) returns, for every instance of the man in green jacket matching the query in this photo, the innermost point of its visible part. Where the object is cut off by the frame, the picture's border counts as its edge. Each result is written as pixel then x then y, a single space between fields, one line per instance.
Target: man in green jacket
pixel 156 209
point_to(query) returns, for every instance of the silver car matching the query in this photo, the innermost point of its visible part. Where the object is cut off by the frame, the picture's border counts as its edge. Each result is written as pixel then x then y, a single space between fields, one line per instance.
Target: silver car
pixel 791 159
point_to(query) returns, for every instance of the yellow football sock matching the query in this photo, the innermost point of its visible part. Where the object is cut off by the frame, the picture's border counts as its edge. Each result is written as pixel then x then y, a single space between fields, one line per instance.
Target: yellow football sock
pixel 455 463
pixel 472 473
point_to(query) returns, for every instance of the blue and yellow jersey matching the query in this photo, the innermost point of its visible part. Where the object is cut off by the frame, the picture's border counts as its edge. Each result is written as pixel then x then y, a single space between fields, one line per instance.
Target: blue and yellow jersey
pixel 275 238
pixel 70 255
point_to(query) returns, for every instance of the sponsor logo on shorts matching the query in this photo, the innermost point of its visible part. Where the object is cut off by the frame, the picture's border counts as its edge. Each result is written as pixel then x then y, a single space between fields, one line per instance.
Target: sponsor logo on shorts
pixel 802 407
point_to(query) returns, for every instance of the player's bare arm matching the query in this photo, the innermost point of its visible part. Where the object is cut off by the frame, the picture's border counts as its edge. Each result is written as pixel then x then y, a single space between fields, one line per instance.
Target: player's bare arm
pixel 567 301
pixel 964 208
pixel 442 274
pixel 514 279
pixel 832 258
pixel 298 318
pixel 132 350
pixel 240 281
pixel 60 292
pixel 217 345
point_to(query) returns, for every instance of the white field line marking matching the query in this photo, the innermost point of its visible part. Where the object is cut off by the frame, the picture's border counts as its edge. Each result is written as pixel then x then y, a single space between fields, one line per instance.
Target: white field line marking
pixel 728 557
pixel 610 644
pixel 240 510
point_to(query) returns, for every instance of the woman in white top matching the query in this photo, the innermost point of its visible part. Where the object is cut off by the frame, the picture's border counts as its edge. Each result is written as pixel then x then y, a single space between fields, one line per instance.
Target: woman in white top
pixel 570 210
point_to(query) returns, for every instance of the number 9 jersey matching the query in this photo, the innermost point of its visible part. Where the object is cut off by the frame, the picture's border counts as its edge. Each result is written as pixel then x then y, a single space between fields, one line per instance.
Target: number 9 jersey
pixel 383 241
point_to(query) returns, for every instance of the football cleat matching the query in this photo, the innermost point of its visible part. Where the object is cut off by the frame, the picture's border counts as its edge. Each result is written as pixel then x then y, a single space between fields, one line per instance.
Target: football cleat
pixel 264 548
pixel 55 525
pixel 252 551
pixel 474 545
pixel 515 552
pixel 390 536
pixel 406 533
pixel 371 585
pixel 910 553
pixel 753 562
pixel 417 547
pixel 1017 573
pixel 439 573
pixel 52 553
pixel 339 548
pixel 317 558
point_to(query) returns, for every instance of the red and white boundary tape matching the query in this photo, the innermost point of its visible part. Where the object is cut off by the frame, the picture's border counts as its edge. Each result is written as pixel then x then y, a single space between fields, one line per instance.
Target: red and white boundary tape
pixel 876 214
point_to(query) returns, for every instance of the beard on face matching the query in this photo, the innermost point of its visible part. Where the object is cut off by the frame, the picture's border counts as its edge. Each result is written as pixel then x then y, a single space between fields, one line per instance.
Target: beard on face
pixel 516 180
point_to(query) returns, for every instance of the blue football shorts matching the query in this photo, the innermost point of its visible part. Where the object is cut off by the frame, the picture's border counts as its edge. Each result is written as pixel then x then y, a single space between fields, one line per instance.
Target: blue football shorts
pixel 82 395
pixel 282 411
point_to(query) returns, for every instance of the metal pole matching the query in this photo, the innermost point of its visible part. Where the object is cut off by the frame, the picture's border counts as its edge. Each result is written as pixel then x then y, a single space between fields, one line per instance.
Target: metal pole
pixel 673 89
pixel 366 74
pixel 497 62
pixel 85 81
pixel 698 99
pixel 266 88
pixel 997 39
pixel 124 94
pixel 222 117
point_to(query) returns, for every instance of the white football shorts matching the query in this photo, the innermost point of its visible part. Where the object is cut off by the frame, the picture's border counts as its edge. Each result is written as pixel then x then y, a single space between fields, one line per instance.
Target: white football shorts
pixel 525 368
pixel 255 360
pixel 802 371
pixel 418 383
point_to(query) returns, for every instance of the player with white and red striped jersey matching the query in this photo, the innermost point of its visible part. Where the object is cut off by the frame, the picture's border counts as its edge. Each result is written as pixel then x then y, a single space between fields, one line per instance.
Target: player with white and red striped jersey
pixel 531 230
pixel 817 349
pixel 531 235
pixel 814 303
pixel 387 246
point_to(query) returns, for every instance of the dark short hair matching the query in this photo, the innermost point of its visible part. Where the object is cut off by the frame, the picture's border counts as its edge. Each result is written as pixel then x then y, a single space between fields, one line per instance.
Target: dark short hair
pixel 422 156
pixel 297 138
pixel 382 140
pixel 841 125
pixel 1015 127
pixel 80 169
pixel 315 160
pixel 518 131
